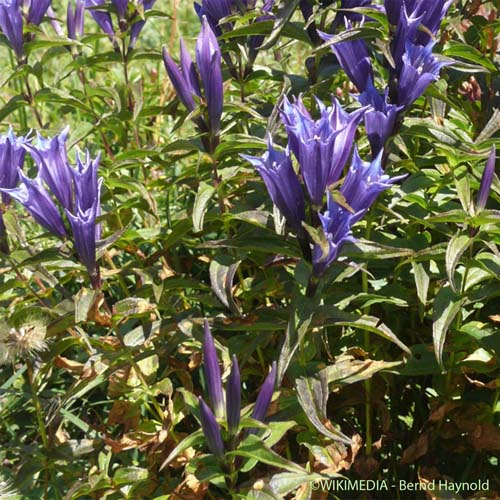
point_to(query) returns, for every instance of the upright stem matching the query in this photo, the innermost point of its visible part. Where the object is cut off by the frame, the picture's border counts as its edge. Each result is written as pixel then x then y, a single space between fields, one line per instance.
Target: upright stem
pixel 41 427
pixel 367 345
pixel 31 101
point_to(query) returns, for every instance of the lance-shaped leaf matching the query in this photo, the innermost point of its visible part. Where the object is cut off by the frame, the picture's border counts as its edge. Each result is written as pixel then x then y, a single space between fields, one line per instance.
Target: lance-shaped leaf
pixel 447 305
pixel 313 394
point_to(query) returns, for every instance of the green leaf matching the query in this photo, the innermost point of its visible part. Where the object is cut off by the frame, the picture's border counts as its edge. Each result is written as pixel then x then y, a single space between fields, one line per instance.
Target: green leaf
pixel 203 196
pixel 349 370
pixel 447 305
pixel 286 482
pixel 130 475
pixel 374 325
pixel 469 53
pixel 421 281
pixel 457 246
pixel 84 300
pixel 253 447
pixel 221 278
pixel 193 439
pixel 282 18
pixel 313 394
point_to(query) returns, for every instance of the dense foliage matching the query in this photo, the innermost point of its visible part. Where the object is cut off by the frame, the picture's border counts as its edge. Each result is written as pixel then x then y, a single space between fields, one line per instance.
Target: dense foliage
pixel 249 246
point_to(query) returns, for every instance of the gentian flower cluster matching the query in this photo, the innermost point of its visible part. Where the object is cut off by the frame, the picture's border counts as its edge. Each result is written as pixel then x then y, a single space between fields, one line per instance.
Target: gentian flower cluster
pixel 322 149
pixel 216 11
pixel 188 82
pixel 129 17
pixel 12 153
pixel 413 67
pixel 76 189
pixel 231 410
pixel 13 14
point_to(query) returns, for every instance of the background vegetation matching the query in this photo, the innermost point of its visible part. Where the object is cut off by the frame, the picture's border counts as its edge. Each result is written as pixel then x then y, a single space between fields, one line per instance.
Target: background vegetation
pixel 99 404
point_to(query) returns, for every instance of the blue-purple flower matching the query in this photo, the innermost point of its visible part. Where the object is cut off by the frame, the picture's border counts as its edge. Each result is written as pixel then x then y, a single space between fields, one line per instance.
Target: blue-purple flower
pixel 362 185
pixel 11 22
pixel 380 119
pixel 75 19
pixel 486 180
pixel 430 12
pixel 232 410
pixel 282 183
pixel 212 372
pixel 354 59
pixel 211 429
pixel 186 80
pixel 322 147
pixel 76 189
pixel 32 194
pixel 336 224
pixel 419 69
pixel 127 18
pixel 36 10
pixel 12 153
pixel 137 20
pixel 215 11
pixel 52 159
pixel 101 17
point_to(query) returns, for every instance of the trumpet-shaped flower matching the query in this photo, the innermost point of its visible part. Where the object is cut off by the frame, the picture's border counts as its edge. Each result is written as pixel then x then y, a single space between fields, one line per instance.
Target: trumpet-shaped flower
pixel 11 22
pixel 186 80
pixel 12 153
pixel 282 183
pixel 138 22
pixel 336 224
pixel 75 19
pixel 380 120
pixel 208 60
pixel 354 59
pixel 430 12
pixel 84 229
pixel 419 69
pixel 486 180
pixel 363 183
pixel 37 201
pixel 265 395
pixel 36 10
pixel 101 17
pixel 322 147
pixel 51 157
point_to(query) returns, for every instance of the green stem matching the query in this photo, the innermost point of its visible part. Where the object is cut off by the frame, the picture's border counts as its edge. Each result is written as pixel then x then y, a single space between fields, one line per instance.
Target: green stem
pixel 41 428
pixel 367 345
